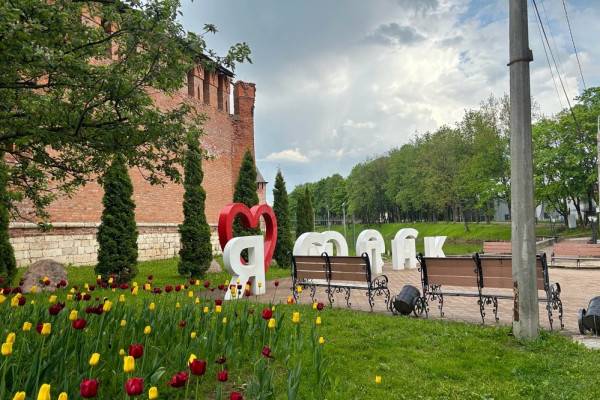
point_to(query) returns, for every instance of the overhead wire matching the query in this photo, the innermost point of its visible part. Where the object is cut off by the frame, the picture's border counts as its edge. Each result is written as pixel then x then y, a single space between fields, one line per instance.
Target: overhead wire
pixel 573 42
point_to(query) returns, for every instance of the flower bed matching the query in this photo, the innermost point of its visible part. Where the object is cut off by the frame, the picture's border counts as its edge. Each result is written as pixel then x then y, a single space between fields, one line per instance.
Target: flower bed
pixel 155 342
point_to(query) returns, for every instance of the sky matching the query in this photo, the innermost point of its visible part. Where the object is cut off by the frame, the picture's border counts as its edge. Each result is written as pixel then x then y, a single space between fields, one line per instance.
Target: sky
pixel 342 81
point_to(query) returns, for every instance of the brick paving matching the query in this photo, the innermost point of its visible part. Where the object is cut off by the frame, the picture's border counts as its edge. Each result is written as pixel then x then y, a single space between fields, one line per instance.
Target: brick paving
pixel 578 287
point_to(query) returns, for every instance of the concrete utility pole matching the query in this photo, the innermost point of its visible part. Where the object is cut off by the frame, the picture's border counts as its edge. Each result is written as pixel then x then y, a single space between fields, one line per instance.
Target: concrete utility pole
pixel 598 164
pixel 526 316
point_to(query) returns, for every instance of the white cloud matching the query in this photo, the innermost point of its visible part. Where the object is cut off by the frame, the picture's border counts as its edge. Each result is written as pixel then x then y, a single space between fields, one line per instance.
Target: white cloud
pixel 359 125
pixel 289 155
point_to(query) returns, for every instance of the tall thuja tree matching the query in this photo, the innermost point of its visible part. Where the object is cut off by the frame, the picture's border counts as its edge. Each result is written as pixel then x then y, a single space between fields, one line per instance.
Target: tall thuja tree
pixel 304 214
pixel 284 244
pixel 245 192
pixel 117 234
pixel 196 249
pixel 8 265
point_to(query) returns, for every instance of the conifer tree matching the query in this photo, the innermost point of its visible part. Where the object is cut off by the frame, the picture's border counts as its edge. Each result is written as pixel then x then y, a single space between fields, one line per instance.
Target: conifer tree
pixel 245 192
pixel 304 214
pixel 117 234
pixel 284 244
pixel 8 265
pixel 196 250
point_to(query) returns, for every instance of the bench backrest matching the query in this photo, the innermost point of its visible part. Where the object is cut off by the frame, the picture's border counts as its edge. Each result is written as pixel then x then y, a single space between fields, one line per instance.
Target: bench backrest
pixel 576 249
pixel 496 271
pixel 497 247
pixel 310 267
pixel 349 269
pixel 449 271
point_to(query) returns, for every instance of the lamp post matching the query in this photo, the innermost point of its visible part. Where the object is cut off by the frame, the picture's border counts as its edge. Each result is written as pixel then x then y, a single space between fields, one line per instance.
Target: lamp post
pixel 344 217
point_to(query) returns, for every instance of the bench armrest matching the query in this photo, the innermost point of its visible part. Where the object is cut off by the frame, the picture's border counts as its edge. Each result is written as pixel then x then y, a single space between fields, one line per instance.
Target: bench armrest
pixel 380 281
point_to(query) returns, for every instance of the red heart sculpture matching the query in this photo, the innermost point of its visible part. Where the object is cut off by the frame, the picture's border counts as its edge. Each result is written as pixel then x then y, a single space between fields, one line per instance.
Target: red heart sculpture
pixel 250 218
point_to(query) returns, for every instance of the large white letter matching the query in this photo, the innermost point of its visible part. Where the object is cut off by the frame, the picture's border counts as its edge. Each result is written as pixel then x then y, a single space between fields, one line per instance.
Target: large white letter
pixel 254 271
pixel 371 242
pixel 433 246
pixel 404 251
pixel 315 243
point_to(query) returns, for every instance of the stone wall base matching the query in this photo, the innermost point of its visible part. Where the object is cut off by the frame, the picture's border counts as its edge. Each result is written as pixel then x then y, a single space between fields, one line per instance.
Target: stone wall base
pixel 72 243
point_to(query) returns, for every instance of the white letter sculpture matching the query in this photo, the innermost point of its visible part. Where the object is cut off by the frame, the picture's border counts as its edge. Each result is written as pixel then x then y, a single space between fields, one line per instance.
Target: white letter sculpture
pixel 371 242
pixel 315 243
pixel 433 246
pixel 253 271
pixel 404 251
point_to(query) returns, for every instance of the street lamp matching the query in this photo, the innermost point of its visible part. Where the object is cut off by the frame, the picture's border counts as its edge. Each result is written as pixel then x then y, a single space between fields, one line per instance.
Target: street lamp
pixel 593 219
pixel 344 217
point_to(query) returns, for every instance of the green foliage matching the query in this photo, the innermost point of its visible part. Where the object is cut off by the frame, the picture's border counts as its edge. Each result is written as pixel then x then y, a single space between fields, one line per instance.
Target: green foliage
pixel 284 246
pixel 73 92
pixel 245 192
pixel 117 234
pixel 196 249
pixel 8 265
pixel 304 214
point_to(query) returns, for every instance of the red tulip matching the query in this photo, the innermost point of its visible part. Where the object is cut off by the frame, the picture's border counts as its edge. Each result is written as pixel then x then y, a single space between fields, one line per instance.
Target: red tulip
pixel 54 309
pixel 236 396
pixel 320 306
pixel 179 379
pixel 22 300
pixel 134 386
pixel 207 284
pixel 39 327
pixel 198 367
pixel 168 288
pixel 221 287
pixel 177 288
pixel 218 302
pixel 276 283
pixel 136 350
pixel 150 277
pixel 88 388
pixel 267 314
pixel 266 351
pixel 79 323
pixel 222 376
pixel 221 360
pixel 182 324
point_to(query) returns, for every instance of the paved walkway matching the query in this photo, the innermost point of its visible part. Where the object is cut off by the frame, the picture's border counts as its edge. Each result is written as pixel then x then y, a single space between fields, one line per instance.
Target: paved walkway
pixel 578 287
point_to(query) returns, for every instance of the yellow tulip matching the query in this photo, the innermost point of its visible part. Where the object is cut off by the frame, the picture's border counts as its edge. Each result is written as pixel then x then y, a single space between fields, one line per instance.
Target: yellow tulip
pixel 273 308
pixel 33 289
pixel 19 396
pixel 73 315
pixel 272 323
pixel 147 330
pixel 224 320
pixel 32 302
pixel 52 299
pixel 377 379
pixel 94 359
pixel 6 349
pixel 122 352
pixel 177 305
pixel 44 393
pixel 152 306
pixel 153 393
pixel 110 280
pixel 14 302
pixel 128 364
pixel 26 326
pixel 259 285
pixel 72 290
pixel 122 298
pixel 318 321
pixel 134 284
pixel 197 282
pixel 69 297
pixel 197 300
pixel 205 310
pixel 63 396
pixel 113 290
pixel 98 277
pixel 46 329
pixel 321 340
pixel 193 335
pixel 134 291
pixel 314 306
pixel 123 323
pixel 192 358
pixel 86 286
pixel 296 317
pixel 2 298
pixel 147 286
pixel 10 338
pixel 218 309
pixel 107 306
pixel 299 289
pixel 191 293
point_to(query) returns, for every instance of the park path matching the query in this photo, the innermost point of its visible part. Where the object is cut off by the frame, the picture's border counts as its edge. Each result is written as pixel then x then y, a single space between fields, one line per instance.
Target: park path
pixel 578 287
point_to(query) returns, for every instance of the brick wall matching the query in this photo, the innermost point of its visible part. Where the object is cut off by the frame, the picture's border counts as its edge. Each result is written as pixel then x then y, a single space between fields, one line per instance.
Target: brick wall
pixel 227 137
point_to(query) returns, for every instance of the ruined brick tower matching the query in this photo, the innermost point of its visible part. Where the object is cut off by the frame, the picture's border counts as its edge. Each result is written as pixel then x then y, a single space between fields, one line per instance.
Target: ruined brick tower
pixel 229 133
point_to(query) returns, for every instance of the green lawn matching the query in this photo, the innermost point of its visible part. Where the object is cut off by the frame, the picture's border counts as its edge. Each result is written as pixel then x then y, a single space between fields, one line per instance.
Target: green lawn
pixel 459 240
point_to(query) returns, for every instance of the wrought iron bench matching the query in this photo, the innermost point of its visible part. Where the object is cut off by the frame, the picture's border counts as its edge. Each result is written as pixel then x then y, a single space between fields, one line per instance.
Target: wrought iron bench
pixel 482 273
pixel 338 274
pixel 575 252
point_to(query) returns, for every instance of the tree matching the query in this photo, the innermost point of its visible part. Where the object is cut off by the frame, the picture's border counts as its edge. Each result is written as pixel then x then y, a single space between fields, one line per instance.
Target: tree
pixel 304 214
pixel 284 245
pixel 117 234
pixel 245 192
pixel 196 249
pixel 8 265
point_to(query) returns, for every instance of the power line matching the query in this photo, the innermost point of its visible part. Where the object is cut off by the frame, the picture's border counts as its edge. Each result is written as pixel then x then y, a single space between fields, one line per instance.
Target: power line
pixel 573 42
pixel 558 96
pixel 537 12
pixel 560 62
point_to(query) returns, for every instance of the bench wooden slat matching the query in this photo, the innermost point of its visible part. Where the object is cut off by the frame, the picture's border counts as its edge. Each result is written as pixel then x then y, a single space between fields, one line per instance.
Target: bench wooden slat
pixel 497 247
pixel 311 275
pixel 576 249
pixel 348 276
pixel 445 280
pixel 357 268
